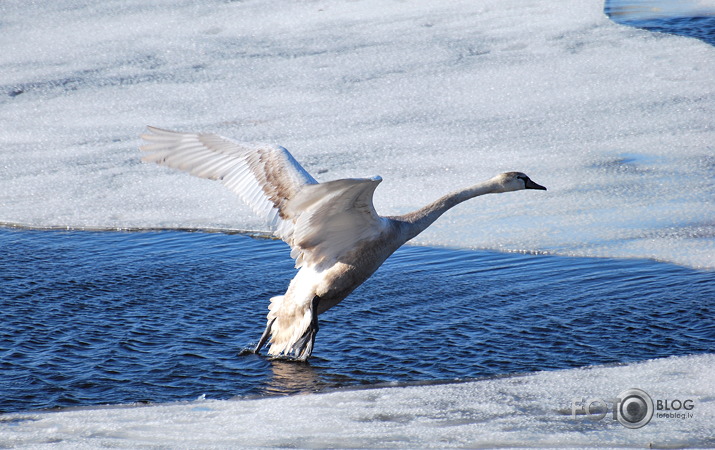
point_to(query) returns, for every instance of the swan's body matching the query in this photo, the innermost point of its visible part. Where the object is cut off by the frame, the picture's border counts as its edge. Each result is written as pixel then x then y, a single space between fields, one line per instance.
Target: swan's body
pixel 335 235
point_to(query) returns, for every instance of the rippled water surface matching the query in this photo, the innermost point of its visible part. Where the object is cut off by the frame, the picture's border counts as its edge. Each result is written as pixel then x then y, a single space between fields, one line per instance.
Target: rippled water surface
pixel 114 317
pixel 666 17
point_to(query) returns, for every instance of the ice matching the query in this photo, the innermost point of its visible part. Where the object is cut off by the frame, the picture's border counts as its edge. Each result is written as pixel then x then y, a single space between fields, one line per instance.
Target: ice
pixel 433 96
pixel 527 410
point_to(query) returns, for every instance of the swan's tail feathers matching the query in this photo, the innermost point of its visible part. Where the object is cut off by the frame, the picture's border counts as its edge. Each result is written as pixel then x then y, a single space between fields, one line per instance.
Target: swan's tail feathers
pixel 292 328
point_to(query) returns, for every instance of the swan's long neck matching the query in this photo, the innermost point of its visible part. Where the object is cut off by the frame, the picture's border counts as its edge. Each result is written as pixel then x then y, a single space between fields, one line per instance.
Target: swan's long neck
pixel 417 221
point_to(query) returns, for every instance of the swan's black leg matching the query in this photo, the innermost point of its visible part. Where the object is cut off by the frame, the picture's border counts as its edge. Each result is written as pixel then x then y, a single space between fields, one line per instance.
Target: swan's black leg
pixel 264 336
pixel 312 330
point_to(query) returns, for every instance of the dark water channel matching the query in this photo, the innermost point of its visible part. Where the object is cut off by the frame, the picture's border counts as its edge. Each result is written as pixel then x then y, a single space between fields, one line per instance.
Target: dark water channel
pixel 114 317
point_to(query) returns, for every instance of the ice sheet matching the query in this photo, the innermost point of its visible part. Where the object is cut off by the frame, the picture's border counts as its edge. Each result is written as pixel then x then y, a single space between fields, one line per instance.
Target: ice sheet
pixel 530 410
pixel 433 96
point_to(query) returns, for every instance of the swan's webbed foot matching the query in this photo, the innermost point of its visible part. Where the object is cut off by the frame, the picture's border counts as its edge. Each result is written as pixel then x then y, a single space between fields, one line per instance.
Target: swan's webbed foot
pixel 264 337
pixel 307 341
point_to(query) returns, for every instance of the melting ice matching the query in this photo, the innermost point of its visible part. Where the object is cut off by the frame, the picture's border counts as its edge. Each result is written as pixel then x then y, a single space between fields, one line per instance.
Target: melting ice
pixel 541 409
pixel 615 121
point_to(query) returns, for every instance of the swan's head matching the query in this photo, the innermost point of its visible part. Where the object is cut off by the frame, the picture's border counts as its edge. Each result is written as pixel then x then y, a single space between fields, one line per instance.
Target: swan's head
pixel 515 181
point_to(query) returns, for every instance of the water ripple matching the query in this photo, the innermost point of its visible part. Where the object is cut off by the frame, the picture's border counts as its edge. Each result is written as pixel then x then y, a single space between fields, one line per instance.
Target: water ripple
pixel 100 317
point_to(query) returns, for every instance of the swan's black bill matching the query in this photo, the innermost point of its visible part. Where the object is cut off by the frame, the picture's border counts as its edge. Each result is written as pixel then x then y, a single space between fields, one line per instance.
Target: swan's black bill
pixel 528 184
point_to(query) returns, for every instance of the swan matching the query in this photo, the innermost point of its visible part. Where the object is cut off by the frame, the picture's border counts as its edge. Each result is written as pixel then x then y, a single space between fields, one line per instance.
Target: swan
pixel 336 237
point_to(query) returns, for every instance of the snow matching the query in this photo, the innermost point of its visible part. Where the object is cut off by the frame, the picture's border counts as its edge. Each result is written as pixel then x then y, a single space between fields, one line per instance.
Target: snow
pixel 527 410
pixel 432 96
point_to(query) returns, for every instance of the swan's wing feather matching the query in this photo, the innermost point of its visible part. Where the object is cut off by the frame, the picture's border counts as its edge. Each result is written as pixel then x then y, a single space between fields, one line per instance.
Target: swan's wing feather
pixel 265 177
pixel 322 222
pixel 331 219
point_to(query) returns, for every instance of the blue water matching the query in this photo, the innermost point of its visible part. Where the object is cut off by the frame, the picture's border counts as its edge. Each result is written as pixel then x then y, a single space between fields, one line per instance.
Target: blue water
pixel 89 318
pixel 702 28
pixel 628 12
pixel 94 318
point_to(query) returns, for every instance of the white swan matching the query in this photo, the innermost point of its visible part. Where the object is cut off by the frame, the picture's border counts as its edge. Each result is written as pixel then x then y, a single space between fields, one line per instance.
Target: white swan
pixel 336 237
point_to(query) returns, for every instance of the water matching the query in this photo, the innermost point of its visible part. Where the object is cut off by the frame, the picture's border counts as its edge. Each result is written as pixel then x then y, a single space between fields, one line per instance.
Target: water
pixel 94 318
pixel 684 18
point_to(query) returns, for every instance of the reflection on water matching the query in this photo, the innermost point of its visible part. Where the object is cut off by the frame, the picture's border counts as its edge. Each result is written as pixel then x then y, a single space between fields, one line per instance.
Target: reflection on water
pixel 93 318
pixel 292 377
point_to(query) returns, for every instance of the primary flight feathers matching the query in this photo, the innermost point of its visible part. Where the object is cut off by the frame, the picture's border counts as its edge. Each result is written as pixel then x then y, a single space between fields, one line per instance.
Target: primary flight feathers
pixel 320 221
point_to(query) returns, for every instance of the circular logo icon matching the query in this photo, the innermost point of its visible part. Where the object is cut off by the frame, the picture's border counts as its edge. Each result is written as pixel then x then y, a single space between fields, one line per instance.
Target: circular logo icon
pixel 635 408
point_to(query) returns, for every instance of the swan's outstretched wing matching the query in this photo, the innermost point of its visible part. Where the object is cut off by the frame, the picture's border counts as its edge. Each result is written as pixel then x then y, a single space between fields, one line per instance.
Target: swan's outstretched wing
pixel 331 218
pixel 265 177
pixel 321 222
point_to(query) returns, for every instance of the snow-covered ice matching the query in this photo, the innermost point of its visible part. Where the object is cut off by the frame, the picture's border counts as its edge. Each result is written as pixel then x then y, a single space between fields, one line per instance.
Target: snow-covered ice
pixel 529 410
pixel 433 96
